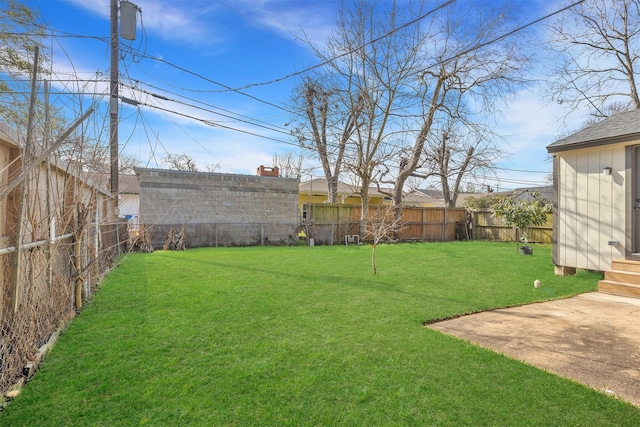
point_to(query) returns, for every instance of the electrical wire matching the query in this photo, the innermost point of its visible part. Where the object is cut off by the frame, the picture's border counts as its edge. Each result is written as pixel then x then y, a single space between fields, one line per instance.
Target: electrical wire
pixel 235 119
pixel 215 124
pixel 298 73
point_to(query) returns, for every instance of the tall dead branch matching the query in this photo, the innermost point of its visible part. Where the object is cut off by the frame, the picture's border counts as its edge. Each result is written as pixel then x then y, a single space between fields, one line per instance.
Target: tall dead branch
pixel 598 43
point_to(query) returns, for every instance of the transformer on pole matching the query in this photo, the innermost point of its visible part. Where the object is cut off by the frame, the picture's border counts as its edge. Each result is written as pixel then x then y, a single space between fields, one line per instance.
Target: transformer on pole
pixel 128 15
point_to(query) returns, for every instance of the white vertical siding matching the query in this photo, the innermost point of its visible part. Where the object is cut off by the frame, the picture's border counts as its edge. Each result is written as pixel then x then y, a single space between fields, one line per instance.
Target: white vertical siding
pixel 606 208
pixel 568 210
pixel 594 224
pixel 582 221
pixel 618 206
pixel 591 207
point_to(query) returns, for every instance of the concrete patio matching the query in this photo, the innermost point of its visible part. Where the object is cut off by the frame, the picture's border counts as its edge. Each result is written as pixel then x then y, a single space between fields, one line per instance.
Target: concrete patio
pixel 592 338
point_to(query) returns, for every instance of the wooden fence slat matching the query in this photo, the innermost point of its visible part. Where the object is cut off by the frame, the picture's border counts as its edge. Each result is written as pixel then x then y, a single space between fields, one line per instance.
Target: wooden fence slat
pixel 332 223
pixel 420 224
pixel 487 226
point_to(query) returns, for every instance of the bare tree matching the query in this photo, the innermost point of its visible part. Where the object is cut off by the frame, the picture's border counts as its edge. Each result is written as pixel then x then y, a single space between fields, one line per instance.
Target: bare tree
pixel 467 72
pixel 325 126
pixel 599 45
pixel 455 153
pixel 180 162
pixel 291 165
pixel 404 81
pixel 374 62
pixel 19 36
pixel 212 167
pixel 382 225
pixel 92 156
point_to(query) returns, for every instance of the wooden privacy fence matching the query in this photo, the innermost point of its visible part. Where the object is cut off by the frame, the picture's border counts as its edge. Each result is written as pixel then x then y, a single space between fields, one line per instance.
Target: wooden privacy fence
pixel 329 224
pixel 487 226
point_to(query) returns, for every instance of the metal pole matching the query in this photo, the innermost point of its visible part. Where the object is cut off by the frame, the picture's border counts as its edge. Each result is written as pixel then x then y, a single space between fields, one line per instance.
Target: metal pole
pixel 113 104
pixel 113 117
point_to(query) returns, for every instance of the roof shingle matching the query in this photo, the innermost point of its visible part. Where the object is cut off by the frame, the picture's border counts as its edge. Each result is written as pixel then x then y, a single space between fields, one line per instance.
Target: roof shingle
pixel 619 127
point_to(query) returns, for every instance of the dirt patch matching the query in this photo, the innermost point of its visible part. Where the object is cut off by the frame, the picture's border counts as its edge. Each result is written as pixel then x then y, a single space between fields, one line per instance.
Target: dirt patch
pixel 591 338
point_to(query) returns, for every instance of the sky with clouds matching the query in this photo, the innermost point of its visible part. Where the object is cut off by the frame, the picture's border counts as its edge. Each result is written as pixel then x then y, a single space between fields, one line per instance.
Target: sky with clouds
pixel 188 55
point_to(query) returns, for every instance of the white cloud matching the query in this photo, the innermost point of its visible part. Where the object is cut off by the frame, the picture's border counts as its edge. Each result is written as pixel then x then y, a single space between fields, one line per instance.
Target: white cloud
pixel 179 21
pixel 288 19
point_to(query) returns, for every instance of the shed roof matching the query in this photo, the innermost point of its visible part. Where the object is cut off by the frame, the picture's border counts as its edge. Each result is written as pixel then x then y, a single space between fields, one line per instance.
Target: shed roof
pixel 617 128
pixel 127 183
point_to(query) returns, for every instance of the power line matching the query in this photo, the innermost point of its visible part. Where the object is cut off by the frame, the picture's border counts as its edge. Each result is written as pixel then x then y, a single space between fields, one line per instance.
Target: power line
pixel 253 123
pixel 522 170
pixel 214 124
pixel 350 51
pixel 202 103
pixel 464 52
pixel 208 122
pixel 228 88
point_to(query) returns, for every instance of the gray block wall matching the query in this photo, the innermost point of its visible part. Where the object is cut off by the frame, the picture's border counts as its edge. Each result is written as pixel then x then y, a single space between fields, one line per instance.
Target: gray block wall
pixel 252 204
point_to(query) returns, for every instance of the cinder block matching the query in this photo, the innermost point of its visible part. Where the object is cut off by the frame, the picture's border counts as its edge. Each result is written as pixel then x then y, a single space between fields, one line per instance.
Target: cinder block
pixel 563 270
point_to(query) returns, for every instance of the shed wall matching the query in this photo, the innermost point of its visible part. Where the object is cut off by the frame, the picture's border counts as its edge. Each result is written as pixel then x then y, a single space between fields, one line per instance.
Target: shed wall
pixel 591 207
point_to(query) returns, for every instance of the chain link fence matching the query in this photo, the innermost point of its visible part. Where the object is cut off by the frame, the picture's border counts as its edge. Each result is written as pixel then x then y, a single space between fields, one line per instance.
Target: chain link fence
pixel 54 277
pixel 227 234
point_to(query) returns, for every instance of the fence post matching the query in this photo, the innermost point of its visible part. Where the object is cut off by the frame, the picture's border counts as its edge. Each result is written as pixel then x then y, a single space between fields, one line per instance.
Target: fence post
pixel 444 225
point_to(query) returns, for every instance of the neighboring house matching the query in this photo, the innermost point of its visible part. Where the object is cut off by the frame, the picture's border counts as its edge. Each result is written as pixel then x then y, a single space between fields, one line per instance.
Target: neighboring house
pixel 60 184
pixel 596 175
pixel 315 191
pixel 418 198
pixel 57 240
pixel 129 201
pixel 437 199
pixel 544 194
pixel 128 197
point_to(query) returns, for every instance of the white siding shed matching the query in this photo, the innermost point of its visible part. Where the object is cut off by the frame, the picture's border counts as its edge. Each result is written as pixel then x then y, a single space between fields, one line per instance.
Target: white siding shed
pixel 595 193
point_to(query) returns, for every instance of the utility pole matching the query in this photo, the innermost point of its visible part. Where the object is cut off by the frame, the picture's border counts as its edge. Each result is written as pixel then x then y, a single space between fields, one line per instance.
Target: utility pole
pixel 128 32
pixel 113 105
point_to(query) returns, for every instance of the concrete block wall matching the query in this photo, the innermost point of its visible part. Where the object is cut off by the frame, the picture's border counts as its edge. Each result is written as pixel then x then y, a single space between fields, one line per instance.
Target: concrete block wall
pixel 175 198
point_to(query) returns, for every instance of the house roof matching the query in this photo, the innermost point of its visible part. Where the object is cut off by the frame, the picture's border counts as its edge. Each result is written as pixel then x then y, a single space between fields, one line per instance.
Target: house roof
pixel 319 186
pixel 545 194
pixel 418 197
pixel 617 128
pixel 439 198
pixel 8 136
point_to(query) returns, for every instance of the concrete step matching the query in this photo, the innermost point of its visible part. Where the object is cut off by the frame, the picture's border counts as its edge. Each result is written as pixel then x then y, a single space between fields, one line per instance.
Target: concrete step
pixel 622 276
pixel 619 288
pixel 626 265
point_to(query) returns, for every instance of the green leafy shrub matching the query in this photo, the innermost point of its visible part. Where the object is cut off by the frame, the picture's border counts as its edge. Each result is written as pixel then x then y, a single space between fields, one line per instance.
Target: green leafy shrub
pixel 522 214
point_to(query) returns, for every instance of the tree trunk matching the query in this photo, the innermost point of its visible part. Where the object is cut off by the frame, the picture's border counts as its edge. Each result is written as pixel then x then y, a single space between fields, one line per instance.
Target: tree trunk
pixel 373 259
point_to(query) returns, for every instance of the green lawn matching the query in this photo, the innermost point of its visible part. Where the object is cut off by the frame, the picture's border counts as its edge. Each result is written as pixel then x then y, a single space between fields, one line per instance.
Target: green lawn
pixel 307 336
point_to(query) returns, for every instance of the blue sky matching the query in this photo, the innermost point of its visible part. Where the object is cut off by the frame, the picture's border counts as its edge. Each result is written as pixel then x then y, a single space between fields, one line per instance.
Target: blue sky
pixel 194 51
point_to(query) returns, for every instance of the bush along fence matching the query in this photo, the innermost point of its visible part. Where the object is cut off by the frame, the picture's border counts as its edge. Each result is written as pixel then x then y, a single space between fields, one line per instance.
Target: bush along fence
pixel 488 226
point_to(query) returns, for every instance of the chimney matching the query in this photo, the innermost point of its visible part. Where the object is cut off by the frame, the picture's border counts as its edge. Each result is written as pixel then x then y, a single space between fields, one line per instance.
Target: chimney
pixel 267 171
